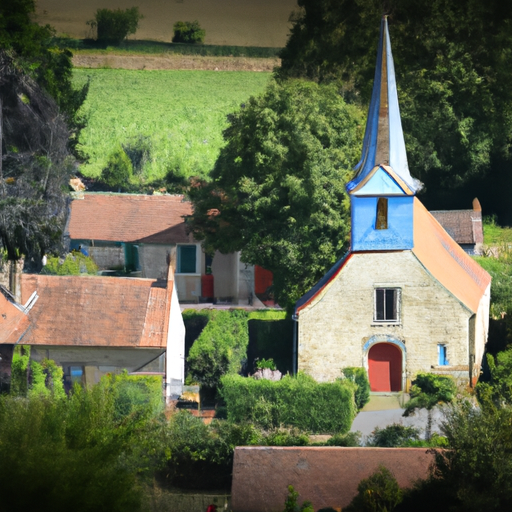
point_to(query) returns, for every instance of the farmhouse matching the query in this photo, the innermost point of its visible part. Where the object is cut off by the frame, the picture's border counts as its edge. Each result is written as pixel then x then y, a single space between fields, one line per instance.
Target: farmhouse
pixel 406 298
pixel 140 233
pixel 93 325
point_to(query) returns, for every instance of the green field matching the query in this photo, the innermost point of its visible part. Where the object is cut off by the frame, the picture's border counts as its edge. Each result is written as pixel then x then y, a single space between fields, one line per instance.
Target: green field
pixel 182 113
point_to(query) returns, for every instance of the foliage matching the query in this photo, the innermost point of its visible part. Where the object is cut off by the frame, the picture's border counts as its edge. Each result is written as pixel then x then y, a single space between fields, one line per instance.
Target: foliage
pixel 291 505
pixel 377 493
pixel 19 370
pixel 350 439
pixel 201 456
pixel 47 379
pixel 266 363
pixel 499 390
pixel 188 32
pixel 277 189
pixel 267 314
pixel 39 57
pixel 74 264
pixel 282 436
pixel 293 401
pixel 429 390
pixel 119 170
pixel 494 234
pixel 221 347
pixel 115 25
pixel 454 98
pixel 395 435
pixel 181 113
pixel 34 168
pixel 359 377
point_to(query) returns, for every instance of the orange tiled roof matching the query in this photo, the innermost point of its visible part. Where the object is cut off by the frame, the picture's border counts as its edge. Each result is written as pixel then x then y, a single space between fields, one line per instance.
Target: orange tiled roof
pixel 129 218
pixel 446 261
pixel 97 311
pixel 13 321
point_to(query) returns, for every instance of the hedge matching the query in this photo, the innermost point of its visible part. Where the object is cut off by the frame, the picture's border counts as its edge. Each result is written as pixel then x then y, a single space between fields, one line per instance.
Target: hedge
pixel 293 401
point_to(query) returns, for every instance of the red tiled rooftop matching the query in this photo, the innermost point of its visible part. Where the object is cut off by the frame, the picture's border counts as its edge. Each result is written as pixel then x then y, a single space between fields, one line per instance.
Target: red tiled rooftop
pixel 464 226
pixel 13 321
pixel 97 311
pixel 129 218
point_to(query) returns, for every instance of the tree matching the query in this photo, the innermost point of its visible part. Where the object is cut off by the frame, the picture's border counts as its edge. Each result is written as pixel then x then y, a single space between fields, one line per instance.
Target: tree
pixel 451 62
pixel 115 25
pixel 34 168
pixel 119 170
pixel 37 55
pixel 277 189
pixel 188 32
pixel 427 392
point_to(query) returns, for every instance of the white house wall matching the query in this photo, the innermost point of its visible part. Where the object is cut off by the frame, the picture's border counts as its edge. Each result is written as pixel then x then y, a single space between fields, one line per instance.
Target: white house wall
pixel 175 355
pixel 335 327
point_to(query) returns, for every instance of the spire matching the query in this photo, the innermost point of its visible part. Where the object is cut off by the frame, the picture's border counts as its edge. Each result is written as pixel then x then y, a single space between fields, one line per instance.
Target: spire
pixel 384 144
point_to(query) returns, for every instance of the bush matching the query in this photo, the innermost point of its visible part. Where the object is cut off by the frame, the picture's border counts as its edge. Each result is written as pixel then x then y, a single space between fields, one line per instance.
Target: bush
pixel 359 377
pixel 379 492
pixel 188 32
pixel 47 379
pixel 119 170
pixel 114 25
pixel 293 401
pixel 138 150
pixel 220 348
pixel 350 439
pixel 73 264
pixel 393 436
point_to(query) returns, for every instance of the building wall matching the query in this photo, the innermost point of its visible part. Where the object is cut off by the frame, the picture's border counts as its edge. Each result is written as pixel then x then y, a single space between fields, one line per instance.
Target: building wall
pixel 225 275
pixel 334 329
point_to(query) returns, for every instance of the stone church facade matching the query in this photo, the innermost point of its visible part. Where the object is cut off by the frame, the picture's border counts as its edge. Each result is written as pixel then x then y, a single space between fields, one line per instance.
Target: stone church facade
pixel 406 298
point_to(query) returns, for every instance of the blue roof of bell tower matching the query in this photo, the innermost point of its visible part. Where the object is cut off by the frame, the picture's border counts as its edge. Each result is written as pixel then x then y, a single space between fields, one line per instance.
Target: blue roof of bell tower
pixel 384 145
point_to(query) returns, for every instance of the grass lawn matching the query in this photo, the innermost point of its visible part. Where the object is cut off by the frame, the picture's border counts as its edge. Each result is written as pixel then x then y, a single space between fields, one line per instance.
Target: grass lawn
pixel 181 114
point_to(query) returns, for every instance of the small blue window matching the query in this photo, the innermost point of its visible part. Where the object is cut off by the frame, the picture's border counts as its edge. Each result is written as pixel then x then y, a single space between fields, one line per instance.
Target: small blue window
pixel 441 355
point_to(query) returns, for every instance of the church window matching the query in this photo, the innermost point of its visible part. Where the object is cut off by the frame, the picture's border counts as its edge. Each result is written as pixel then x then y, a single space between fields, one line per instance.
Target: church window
pixel 187 259
pixel 382 213
pixel 387 304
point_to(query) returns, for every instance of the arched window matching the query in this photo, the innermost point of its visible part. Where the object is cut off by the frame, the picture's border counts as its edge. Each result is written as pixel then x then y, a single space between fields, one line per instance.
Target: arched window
pixel 382 213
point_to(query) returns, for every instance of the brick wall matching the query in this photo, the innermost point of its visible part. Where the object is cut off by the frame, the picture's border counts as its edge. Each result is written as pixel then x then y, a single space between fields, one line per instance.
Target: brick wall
pixel 326 476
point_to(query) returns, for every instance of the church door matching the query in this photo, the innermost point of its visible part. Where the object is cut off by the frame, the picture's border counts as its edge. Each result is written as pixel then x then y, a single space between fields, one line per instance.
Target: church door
pixel 385 367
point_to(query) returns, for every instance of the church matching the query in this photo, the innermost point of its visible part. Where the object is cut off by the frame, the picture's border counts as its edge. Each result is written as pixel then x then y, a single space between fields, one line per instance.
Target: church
pixel 405 298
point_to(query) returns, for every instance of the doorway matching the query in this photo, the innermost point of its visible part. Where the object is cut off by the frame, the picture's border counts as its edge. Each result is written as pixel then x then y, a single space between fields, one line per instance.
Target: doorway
pixel 385 367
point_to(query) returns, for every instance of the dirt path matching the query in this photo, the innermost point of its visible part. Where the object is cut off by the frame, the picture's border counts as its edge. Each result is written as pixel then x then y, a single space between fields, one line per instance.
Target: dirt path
pixel 175 62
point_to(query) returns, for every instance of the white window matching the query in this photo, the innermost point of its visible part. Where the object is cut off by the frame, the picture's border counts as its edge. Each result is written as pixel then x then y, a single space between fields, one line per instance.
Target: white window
pixel 187 259
pixel 387 305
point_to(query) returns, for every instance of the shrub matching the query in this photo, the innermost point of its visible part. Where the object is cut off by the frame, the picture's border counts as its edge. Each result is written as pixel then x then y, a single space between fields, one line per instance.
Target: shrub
pixel 220 348
pixel 114 25
pixel 360 378
pixel 285 437
pixel 379 492
pixel 263 364
pixel 47 379
pixel 119 170
pixel 73 264
pixel 138 150
pixel 293 401
pixel 393 436
pixel 19 369
pixel 291 504
pixel 188 32
pixel 350 439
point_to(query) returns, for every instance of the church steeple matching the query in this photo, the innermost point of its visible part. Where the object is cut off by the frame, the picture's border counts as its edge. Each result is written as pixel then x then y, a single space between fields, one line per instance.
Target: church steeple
pixel 383 189
pixel 384 145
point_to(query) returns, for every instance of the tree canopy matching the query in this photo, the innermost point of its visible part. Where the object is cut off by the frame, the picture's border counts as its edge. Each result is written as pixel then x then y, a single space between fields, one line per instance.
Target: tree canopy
pixel 277 189
pixel 452 61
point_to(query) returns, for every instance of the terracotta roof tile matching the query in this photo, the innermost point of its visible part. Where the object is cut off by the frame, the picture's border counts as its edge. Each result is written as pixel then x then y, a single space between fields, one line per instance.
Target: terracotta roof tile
pixel 130 218
pixel 464 226
pixel 446 261
pixel 13 321
pixel 97 311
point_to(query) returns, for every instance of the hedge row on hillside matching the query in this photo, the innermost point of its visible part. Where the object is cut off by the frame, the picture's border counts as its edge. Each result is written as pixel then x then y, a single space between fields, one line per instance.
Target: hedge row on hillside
pixel 293 401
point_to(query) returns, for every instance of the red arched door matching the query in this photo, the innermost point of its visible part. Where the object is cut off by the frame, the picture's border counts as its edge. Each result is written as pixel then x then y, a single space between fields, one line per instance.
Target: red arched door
pixel 385 367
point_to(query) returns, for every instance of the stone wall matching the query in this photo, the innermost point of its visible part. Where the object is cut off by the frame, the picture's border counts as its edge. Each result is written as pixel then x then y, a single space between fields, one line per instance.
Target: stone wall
pixel 326 476
pixel 335 328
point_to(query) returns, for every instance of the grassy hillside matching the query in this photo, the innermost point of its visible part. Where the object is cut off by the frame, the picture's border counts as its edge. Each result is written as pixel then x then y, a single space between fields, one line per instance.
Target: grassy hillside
pixel 181 115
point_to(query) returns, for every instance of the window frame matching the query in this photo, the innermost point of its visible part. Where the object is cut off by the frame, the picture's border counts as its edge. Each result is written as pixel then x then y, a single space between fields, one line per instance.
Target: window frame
pixel 397 305
pixel 179 258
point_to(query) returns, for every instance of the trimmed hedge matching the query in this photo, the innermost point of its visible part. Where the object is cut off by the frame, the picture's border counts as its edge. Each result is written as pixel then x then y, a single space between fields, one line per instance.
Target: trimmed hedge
pixel 293 401
pixel 359 377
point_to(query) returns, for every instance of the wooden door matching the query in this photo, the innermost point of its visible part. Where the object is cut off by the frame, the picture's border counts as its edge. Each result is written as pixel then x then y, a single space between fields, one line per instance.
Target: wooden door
pixel 385 367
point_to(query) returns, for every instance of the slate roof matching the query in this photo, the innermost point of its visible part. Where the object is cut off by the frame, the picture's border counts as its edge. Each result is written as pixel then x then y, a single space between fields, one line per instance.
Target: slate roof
pixel 384 144
pixel 439 254
pixel 97 311
pixel 464 226
pixel 129 218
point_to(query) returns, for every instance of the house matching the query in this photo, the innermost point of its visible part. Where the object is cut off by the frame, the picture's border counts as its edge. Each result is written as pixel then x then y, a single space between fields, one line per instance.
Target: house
pixel 140 233
pixel 93 325
pixel 406 298
pixel 464 226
